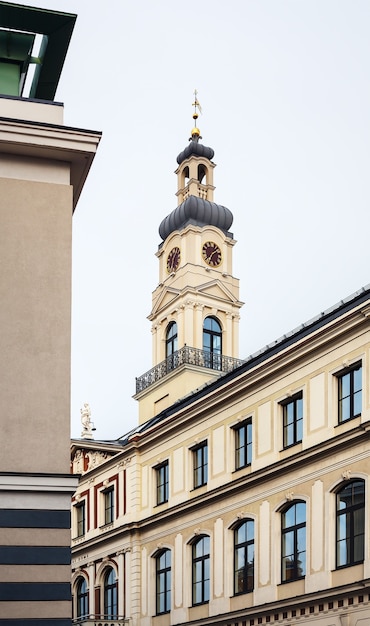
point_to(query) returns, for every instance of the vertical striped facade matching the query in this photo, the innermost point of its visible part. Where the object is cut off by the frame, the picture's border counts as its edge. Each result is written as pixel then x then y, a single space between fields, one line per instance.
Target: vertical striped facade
pixel 35 550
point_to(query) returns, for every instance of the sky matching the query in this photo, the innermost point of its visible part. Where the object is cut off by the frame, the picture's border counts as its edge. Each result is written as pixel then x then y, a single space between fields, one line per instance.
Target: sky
pixel 285 95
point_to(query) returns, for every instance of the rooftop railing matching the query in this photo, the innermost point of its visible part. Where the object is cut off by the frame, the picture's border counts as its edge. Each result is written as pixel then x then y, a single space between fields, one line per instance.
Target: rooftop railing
pixel 100 620
pixel 190 356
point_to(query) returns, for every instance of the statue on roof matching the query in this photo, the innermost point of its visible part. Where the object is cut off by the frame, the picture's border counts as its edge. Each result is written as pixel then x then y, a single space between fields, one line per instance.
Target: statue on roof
pixel 87 424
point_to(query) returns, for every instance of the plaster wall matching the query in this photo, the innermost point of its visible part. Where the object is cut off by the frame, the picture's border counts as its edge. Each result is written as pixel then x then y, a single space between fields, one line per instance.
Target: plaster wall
pixel 35 304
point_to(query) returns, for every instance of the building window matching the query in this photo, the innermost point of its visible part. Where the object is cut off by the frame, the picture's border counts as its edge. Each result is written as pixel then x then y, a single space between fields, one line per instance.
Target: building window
pixel 110 595
pixel 244 557
pixel 81 518
pixel 82 594
pixel 292 420
pixel 212 343
pixel 108 495
pixel 171 344
pixel 293 542
pixel 200 462
pixel 350 524
pixel 163 582
pixel 243 444
pixel 350 393
pixel 162 483
pixel 200 576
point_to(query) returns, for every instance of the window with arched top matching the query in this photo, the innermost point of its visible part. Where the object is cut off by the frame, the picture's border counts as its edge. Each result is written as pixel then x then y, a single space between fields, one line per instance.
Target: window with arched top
pixel 350 532
pixel 200 570
pixel 293 542
pixel 171 339
pixel 110 595
pixel 82 597
pixel 163 582
pixel 244 557
pixel 212 343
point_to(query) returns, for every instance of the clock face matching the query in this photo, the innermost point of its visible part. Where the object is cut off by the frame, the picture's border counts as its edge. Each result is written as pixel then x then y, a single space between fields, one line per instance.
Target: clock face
pixel 173 260
pixel 211 253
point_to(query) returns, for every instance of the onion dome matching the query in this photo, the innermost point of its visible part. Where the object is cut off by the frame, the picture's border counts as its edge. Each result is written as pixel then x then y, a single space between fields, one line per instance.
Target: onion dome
pixel 195 148
pixel 198 212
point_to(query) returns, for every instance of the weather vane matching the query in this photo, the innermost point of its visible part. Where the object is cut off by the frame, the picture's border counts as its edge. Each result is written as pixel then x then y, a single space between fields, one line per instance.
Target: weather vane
pixel 195 133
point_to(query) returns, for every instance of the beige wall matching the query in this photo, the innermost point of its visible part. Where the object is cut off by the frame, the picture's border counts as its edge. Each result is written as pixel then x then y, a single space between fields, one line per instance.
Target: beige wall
pixel 35 304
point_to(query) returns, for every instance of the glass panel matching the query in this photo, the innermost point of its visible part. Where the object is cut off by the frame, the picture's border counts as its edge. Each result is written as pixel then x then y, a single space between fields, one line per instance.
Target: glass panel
pixel 357 403
pixel 342 552
pixel 357 379
pixel 344 386
pixel 301 540
pixel 342 526
pixel 358 547
pixel 301 564
pixel 206 590
pixel 241 533
pixel 358 491
pixel 300 513
pixel 289 517
pixel 288 544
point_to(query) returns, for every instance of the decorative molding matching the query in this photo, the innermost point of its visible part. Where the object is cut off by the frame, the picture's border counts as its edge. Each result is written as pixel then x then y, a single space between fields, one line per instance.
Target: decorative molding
pixel 289 496
pixel 346 475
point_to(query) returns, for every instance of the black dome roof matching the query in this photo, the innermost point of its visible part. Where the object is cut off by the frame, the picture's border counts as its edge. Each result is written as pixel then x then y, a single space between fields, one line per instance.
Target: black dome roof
pixel 197 148
pixel 199 212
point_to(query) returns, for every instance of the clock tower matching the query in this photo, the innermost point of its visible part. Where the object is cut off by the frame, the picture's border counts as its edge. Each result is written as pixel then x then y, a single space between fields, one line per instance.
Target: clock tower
pixel 195 307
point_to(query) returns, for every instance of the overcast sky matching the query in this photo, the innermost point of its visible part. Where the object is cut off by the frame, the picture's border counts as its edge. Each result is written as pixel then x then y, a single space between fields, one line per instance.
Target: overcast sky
pixel 284 88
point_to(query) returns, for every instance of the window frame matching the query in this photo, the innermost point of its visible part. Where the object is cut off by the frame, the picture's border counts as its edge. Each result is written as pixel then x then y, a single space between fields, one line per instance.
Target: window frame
pixel 200 464
pixel 80 509
pixel 294 530
pixel 248 571
pixel 163 579
pixel 200 570
pixel 110 595
pixel 109 505
pixel 349 513
pixel 244 450
pixel 296 423
pixel 351 396
pixel 162 472
pixel 82 598
pixel 213 337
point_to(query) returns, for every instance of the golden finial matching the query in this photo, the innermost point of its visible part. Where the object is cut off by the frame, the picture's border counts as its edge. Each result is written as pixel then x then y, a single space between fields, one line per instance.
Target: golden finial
pixel 195 133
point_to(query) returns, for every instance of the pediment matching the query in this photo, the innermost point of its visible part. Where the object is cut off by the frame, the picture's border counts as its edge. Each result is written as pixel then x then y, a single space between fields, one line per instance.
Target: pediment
pixel 166 296
pixel 214 289
pixel 218 290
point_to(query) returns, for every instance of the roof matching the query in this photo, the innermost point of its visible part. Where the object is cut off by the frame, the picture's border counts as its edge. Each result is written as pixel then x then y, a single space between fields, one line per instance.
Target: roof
pixel 198 212
pixel 290 338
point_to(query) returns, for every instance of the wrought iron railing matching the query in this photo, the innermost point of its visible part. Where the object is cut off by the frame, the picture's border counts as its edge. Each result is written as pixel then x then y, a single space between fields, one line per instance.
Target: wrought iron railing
pixel 190 356
pixel 100 620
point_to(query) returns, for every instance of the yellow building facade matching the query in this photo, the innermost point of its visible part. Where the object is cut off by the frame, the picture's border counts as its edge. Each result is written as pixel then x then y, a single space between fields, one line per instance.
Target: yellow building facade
pixel 242 496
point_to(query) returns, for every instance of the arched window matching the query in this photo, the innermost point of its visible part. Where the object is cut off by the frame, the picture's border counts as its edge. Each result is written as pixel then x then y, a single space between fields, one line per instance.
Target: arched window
pixel 110 595
pixel 200 570
pixel 171 346
pixel 212 343
pixel 293 542
pixel 171 339
pixel 163 582
pixel 82 594
pixel 244 557
pixel 350 523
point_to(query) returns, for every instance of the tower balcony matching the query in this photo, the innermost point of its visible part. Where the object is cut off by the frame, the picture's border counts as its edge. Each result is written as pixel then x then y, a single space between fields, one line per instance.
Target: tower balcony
pixel 187 356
